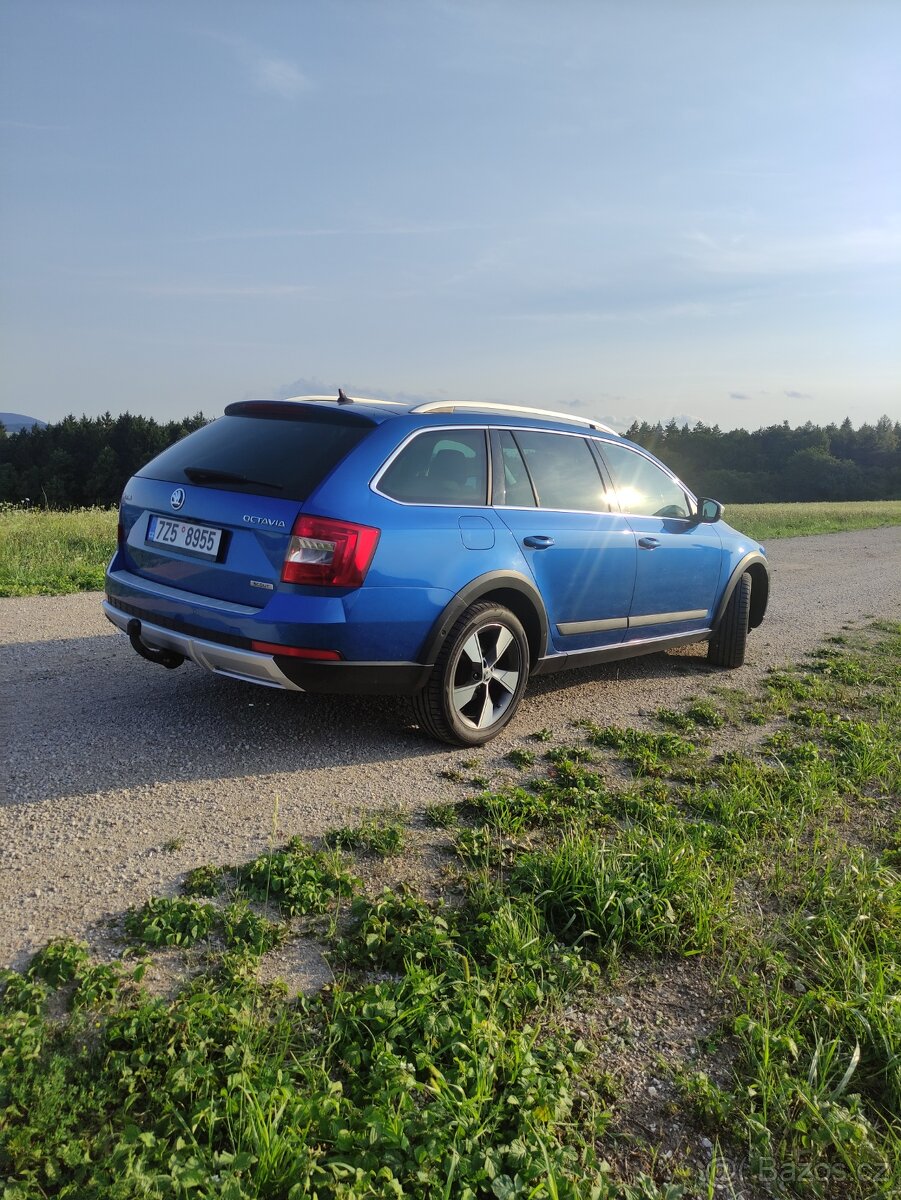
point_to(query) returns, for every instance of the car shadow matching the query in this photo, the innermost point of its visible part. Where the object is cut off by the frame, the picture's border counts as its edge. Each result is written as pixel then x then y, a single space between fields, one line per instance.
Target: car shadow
pixel 90 716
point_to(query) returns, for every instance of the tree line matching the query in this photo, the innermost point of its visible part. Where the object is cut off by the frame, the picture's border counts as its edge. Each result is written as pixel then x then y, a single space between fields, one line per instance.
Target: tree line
pixel 781 463
pixel 84 461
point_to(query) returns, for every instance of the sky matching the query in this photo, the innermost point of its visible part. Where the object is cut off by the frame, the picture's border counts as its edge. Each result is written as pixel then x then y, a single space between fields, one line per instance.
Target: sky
pixel 683 208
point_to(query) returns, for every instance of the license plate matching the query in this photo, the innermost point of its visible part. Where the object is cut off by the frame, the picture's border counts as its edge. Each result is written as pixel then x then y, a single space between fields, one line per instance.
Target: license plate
pixel 183 535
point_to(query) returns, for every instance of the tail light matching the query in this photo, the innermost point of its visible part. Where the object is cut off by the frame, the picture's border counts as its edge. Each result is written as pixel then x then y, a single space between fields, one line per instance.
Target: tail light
pixel 330 553
pixel 296 651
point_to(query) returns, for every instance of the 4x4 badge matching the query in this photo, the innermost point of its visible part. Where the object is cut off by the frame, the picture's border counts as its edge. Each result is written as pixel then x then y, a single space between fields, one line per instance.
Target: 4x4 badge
pixel 177 498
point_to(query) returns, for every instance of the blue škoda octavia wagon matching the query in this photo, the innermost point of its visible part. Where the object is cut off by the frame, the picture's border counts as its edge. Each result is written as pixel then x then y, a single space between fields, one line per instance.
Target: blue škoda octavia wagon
pixel 448 551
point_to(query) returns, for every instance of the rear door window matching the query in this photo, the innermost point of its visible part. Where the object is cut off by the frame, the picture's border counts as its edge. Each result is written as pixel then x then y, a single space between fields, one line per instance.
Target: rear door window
pixel 512 486
pixel 441 466
pixel 562 470
pixel 265 455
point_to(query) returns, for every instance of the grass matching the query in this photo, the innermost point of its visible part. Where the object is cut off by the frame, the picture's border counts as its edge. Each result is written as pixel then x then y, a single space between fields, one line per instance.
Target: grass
pixel 44 553
pixel 47 553
pixel 445 1060
pixel 297 879
pixel 382 834
pixel 768 521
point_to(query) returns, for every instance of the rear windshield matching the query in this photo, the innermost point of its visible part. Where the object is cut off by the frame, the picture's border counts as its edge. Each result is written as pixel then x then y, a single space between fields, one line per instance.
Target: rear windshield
pixel 260 454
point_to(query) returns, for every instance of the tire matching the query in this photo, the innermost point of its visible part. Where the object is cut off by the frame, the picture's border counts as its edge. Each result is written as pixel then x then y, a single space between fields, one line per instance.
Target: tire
pixel 474 690
pixel 728 644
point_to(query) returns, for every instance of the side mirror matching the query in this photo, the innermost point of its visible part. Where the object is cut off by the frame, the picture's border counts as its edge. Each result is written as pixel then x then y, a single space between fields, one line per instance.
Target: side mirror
pixel 709 511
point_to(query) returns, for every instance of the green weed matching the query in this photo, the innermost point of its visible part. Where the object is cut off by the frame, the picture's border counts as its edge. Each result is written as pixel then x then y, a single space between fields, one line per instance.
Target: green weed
pixel 570 754
pixel 443 816
pixel 646 753
pixel 297 879
pixel 245 929
pixel 452 775
pixel 59 962
pixel 382 834
pixel 639 892
pixel 677 720
pixel 478 846
pixel 204 881
pixel 702 712
pixel 162 921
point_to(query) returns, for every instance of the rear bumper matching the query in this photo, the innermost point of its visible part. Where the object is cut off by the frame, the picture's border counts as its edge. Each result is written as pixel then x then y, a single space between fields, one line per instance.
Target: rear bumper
pixel 248 665
pixel 274 670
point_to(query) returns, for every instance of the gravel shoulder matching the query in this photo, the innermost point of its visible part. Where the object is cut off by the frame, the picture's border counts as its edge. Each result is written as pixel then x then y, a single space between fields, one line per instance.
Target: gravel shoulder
pixel 119 776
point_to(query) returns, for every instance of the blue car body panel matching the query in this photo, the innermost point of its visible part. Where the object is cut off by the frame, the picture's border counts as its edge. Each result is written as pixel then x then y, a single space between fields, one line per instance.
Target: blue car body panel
pixel 679 563
pixel 597 581
pixel 587 574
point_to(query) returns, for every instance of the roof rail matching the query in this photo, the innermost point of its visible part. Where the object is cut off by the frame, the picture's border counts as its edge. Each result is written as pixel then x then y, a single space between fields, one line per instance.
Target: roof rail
pixel 439 406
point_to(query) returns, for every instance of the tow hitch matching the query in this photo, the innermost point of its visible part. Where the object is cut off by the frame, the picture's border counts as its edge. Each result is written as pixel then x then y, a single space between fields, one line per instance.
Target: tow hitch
pixel 165 658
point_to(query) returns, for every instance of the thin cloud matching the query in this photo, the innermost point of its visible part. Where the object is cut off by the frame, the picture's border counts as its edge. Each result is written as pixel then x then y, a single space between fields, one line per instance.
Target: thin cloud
pixel 226 291
pixel 846 249
pixel 646 313
pixel 279 77
pixel 798 395
pixel 426 229
pixel 275 76
pixel 30 125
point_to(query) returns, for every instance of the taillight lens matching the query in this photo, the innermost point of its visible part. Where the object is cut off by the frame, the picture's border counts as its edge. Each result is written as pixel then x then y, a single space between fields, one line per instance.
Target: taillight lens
pixel 330 553
pixel 295 651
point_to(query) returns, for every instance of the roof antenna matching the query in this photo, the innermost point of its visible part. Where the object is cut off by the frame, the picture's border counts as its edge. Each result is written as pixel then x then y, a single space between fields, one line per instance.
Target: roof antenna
pixel 342 399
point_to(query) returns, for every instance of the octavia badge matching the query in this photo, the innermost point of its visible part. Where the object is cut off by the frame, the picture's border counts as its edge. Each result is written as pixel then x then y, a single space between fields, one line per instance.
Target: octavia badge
pixel 177 498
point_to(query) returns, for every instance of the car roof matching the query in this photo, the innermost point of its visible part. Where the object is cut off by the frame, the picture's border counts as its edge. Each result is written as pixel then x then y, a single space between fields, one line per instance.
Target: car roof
pixel 378 411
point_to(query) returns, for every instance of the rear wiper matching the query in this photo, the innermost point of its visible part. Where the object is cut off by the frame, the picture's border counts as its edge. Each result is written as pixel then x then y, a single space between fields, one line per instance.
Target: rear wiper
pixel 211 475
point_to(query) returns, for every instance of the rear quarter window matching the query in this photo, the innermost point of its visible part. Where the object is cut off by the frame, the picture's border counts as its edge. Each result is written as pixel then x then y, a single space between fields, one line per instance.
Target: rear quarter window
pixel 278 456
pixel 442 466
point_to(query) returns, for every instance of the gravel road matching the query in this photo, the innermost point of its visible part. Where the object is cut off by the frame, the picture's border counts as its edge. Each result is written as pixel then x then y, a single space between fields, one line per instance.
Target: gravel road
pixel 120 776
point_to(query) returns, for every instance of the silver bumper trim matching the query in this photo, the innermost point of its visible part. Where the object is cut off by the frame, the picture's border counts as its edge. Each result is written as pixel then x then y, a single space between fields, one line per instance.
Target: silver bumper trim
pixel 247 665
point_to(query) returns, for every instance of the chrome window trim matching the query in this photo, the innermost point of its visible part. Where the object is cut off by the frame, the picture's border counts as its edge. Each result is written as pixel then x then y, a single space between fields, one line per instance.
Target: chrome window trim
pixel 579 512
pixel 374 482
pixel 586 437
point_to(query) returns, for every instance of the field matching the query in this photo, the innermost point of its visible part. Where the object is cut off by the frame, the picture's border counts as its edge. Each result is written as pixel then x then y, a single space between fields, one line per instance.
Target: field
pixel 653 966
pixel 47 553
pixel 767 521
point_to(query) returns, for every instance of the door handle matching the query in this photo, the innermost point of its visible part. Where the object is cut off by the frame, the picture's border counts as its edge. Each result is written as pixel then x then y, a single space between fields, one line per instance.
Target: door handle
pixel 538 541
pixel 649 543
